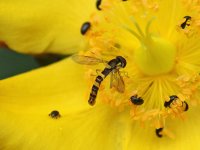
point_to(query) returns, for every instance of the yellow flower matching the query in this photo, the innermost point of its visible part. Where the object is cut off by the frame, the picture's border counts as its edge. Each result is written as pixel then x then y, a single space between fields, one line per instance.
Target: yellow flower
pixel 48 26
pixel 151 49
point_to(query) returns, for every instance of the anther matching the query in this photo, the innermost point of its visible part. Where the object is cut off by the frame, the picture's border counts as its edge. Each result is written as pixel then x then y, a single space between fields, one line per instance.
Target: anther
pixel 55 114
pixel 158 132
pixel 85 27
pixel 98 3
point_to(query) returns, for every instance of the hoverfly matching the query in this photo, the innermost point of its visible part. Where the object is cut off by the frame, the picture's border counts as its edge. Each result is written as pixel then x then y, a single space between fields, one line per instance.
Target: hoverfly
pixel 112 67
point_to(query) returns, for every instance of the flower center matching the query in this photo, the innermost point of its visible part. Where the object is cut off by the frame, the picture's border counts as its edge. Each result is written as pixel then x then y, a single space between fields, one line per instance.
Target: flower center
pixel 150 89
pixel 156 56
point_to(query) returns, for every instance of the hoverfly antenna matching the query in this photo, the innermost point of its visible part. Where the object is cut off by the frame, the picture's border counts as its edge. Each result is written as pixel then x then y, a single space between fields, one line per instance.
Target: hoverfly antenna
pixel 122 60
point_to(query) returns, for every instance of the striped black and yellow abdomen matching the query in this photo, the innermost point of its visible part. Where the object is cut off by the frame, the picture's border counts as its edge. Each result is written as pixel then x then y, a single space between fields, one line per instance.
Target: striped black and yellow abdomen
pixel 96 85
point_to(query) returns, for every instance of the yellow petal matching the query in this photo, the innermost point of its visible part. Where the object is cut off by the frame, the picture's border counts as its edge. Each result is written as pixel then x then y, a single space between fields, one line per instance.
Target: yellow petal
pixel 47 26
pixel 26 100
pixel 50 87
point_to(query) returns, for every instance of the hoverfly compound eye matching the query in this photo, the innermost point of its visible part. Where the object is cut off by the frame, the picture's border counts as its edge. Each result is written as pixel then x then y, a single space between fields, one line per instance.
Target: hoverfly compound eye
pixel 112 68
pixel 122 60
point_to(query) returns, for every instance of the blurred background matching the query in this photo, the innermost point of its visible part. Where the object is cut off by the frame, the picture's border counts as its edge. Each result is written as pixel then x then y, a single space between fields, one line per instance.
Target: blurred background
pixel 12 63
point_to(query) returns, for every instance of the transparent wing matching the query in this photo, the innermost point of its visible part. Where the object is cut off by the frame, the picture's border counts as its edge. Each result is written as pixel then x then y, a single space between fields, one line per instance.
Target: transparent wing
pixel 117 81
pixel 87 60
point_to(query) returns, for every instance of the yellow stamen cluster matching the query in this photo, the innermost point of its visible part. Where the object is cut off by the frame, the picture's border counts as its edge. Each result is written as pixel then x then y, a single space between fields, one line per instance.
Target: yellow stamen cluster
pixel 161 56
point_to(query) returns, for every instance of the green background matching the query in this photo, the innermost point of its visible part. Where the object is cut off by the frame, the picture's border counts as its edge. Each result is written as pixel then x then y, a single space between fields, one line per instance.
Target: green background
pixel 12 63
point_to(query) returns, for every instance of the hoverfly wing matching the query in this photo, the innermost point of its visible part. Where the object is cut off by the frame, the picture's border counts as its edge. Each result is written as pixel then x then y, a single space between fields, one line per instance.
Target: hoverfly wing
pixel 112 79
pixel 87 60
pixel 117 81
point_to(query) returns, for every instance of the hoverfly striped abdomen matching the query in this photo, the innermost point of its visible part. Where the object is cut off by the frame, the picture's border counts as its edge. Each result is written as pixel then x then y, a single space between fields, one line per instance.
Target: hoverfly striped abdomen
pixel 99 79
pixel 92 99
pixel 106 71
pixel 95 88
pixel 112 68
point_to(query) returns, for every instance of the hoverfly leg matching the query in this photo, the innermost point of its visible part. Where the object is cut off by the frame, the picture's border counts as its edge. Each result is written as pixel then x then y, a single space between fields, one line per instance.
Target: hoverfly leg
pixel 98 71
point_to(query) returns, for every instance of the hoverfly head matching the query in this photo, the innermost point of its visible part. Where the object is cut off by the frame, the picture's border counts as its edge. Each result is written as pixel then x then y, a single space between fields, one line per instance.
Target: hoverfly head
pixel 122 61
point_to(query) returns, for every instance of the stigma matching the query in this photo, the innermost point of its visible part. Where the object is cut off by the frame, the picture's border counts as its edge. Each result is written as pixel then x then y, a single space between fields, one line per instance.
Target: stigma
pixel 154 81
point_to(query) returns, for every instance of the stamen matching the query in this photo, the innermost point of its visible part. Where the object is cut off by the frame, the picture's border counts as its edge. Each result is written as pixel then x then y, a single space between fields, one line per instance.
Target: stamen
pixel 152 65
pixel 132 32
pixel 148 35
pixel 138 27
pixel 141 36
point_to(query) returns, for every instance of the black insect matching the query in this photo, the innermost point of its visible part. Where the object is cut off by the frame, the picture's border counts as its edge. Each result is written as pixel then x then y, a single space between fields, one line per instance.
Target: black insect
pixel 112 68
pixel 85 27
pixel 185 23
pixel 173 99
pixel 185 105
pixel 137 100
pixel 55 114
pixel 98 3
pixel 159 132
